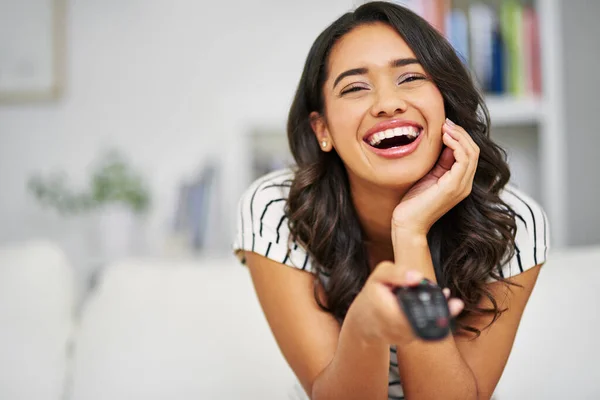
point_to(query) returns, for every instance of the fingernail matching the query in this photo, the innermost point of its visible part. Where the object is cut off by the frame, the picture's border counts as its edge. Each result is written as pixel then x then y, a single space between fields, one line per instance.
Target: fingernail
pixel 448 132
pixel 412 275
pixel 456 306
pixel 449 122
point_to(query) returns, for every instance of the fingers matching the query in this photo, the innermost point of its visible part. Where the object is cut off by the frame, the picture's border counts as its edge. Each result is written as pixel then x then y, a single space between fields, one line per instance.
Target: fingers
pixel 458 150
pixel 389 273
pixel 456 138
pixel 444 164
pixel 459 134
pixel 465 140
pixel 466 153
pixel 413 277
pixel 453 180
pixel 455 306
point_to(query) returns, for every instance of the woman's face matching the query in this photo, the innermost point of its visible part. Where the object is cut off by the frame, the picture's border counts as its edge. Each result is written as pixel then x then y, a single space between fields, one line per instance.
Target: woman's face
pixel 383 115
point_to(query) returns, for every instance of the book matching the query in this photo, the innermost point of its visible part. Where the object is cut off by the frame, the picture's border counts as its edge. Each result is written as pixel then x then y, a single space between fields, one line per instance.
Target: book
pixel 531 52
pixel 435 12
pixel 497 84
pixel 482 27
pixel 511 22
pixel 457 32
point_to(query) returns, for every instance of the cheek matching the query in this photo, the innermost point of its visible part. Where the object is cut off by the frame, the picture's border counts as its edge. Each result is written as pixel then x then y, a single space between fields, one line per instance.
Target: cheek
pixel 344 121
pixel 431 105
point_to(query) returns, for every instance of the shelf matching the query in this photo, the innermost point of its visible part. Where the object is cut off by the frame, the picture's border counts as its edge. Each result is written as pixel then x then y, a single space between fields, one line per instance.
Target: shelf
pixel 509 111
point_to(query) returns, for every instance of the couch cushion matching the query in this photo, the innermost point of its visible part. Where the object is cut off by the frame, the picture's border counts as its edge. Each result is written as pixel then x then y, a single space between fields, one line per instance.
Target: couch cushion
pixel 556 352
pixel 36 306
pixel 168 330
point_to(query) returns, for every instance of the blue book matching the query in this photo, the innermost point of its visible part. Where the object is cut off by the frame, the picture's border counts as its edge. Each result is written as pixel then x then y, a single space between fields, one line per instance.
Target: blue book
pixel 458 34
pixel 482 20
pixel 498 79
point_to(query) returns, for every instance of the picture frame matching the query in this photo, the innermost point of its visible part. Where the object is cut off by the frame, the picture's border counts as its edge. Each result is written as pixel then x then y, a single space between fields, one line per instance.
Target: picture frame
pixel 269 151
pixel 32 50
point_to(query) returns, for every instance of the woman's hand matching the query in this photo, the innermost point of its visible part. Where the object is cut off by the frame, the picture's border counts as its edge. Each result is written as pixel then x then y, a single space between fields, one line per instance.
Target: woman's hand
pixel 376 313
pixel 447 184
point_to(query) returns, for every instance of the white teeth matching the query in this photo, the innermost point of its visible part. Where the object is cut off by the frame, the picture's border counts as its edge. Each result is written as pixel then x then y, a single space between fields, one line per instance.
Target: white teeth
pixel 410 131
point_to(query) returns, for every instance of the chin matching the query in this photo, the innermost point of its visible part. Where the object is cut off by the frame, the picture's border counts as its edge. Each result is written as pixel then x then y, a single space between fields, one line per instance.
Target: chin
pixel 398 177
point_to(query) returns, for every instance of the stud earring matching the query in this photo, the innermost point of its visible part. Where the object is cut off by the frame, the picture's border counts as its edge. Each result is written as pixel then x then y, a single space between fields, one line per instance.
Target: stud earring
pixel 324 143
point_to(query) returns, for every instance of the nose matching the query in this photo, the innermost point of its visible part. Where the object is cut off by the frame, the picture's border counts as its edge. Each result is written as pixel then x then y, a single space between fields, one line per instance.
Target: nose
pixel 388 103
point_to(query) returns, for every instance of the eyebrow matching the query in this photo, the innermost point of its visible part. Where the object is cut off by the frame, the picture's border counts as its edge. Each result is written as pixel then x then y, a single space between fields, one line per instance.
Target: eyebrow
pixel 401 62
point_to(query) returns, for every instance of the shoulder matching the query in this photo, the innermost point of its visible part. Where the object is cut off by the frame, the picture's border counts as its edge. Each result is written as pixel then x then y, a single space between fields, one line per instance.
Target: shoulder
pixel 265 191
pixel 532 238
pixel 262 225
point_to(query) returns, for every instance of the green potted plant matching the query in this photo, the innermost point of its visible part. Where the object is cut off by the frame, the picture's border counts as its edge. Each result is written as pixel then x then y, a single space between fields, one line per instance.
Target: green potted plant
pixel 113 181
pixel 117 196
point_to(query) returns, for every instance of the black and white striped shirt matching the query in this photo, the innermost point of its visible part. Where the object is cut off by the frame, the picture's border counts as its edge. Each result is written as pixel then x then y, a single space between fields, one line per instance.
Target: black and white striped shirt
pixel 263 229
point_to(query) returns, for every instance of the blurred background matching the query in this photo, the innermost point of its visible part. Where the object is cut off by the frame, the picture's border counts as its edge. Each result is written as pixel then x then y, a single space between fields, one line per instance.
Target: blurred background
pixel 129 129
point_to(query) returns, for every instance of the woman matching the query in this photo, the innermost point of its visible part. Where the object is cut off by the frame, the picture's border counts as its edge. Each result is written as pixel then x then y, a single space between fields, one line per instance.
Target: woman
pixel 396 180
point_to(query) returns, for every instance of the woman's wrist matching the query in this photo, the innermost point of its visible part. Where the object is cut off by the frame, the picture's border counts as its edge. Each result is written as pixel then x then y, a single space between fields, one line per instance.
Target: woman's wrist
pixel 358 329
pixel 411 251
pixel 361 333
pixel 409 237
pixel 407 241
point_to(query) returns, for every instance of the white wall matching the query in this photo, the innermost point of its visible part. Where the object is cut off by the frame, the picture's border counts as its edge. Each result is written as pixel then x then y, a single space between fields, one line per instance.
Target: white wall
pixel 170 83
pixel 522 147
pixel 581 87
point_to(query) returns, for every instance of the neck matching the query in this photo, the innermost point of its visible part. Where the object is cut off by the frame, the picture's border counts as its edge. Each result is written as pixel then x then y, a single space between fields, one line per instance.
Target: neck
pixel 374 207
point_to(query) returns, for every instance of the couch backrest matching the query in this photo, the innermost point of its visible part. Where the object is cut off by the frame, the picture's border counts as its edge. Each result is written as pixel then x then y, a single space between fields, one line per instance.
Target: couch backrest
pixel 36 310
pixel 186 331
pixel 195 331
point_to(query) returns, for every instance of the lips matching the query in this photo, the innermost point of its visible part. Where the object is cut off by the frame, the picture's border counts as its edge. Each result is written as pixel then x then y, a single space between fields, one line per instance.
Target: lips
pixel 390 124
pixel 398 151
pixel 394 138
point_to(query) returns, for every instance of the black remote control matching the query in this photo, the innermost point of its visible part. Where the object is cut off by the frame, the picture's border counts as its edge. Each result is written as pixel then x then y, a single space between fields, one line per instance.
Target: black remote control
pixel 426 309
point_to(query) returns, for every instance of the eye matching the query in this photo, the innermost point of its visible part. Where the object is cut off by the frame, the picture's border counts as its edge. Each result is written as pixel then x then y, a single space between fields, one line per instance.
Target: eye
pixel 411 78
pixel 351 89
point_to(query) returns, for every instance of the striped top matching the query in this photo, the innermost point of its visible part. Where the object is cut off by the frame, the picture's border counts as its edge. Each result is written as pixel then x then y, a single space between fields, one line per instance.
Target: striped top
pixel 262 228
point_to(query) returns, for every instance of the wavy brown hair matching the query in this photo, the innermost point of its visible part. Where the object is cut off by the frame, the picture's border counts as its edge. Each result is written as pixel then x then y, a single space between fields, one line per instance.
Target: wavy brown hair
pixel 468 244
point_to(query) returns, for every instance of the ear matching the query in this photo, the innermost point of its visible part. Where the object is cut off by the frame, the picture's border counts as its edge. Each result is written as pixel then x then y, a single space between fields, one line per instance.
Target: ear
pixel 319 127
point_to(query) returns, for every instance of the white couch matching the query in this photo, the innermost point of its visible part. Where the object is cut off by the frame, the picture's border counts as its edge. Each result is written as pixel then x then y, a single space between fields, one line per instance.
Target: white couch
pixel 193 330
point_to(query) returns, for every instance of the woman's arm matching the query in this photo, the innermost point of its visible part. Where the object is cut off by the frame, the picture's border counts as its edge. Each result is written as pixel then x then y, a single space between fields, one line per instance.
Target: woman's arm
pixel 458 368
pixel 330 363
pixel 359 369
pixel 487 355
pixel 430 370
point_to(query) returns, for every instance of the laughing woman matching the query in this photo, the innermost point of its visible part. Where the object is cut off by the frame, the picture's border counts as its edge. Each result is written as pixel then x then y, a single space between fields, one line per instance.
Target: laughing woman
pixel 396 179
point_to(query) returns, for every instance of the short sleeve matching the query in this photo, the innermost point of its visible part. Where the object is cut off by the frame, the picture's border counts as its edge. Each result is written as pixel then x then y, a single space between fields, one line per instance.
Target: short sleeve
pixel 532 238
pixel 262 224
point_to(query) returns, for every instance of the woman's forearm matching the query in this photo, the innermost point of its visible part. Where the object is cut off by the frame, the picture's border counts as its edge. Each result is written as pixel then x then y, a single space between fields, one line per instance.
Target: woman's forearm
pixel 435 371
pixel 358 371
pixel 430 370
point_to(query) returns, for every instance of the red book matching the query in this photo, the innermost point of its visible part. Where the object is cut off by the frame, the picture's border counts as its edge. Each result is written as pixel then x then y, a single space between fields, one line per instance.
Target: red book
pixel 435 12
pixel 531 37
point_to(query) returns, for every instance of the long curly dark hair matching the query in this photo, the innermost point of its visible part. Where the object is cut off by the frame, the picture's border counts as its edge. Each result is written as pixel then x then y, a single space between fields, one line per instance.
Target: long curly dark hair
pixel 468 244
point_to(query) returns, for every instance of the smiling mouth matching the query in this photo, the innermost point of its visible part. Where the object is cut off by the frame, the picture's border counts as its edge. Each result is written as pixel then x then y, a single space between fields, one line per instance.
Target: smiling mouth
pixel 391 138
